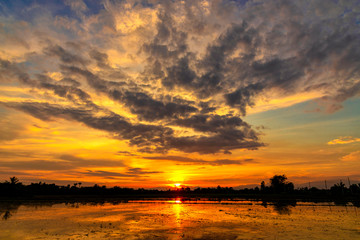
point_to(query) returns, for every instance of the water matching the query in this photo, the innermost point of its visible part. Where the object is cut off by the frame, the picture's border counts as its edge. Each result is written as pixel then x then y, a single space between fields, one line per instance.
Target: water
pixel 175 219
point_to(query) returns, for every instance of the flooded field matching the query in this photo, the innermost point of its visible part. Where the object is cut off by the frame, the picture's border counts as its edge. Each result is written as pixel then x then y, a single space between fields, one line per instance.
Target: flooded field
pixel 176 219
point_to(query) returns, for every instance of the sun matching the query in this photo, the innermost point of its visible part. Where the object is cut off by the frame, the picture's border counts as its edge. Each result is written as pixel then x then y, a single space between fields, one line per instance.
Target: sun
pixel 177 185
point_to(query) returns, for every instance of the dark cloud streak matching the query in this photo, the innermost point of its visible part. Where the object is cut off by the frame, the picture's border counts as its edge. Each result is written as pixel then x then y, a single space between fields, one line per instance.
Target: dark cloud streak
pixel 186 160
pixel 147 137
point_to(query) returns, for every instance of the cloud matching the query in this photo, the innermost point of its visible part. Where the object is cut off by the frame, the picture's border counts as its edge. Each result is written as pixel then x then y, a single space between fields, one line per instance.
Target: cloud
pixel 108 174
pixel 11 132
pixel 14 173
pixel 67 87
pixel 140 171
pixel 63 162
pixel 125 153
pixel 186 160
pixel 147 137
pixel 90 162
pixel 77 5
pixel 64 55
pixel 254 56
pixel 45 165
pixel 344 140
pixel 211 123
pixel 225 140
pixel 119 127
pixel 101 59
pixel 351 157
pixel 6 154
pixel 178 75
pixel 139 102
pixel 131 173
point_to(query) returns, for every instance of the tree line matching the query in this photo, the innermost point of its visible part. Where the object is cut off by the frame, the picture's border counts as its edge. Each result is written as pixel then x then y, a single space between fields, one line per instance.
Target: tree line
pixel 279 186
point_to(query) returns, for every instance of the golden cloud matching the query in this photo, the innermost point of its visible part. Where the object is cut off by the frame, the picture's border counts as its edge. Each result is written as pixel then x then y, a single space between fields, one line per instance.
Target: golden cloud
pixel 344 140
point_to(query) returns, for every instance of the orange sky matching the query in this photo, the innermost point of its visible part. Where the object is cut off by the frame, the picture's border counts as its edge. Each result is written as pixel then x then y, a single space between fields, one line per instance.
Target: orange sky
pixel 200 93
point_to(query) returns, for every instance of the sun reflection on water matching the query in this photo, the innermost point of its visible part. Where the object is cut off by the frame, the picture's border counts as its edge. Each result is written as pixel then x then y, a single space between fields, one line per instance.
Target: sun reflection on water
pixel 176 201
pixel 178 209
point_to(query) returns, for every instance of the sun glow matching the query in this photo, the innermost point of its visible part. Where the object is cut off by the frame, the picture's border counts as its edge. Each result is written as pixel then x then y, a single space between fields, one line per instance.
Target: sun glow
pixel 176 201
pixel 177 185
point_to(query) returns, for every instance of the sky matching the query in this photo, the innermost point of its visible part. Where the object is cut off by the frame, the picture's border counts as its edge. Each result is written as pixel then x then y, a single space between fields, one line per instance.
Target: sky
pixel 203 93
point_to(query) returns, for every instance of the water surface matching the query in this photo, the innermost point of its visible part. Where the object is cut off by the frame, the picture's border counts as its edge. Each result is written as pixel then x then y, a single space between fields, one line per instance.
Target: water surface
pixel 176 219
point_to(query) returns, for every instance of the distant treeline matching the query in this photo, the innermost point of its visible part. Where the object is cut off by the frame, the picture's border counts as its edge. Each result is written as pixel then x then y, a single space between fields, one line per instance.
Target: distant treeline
pixel 279 188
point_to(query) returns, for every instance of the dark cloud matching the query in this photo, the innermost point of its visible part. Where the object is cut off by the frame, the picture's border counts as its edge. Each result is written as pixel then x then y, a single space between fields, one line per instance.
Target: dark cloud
pixel 100 173
pixel 69 81
pixel 179 74
pixel 187 160
pixel 66 88
pixel 244 97
pixel 130 173
pixel 101 59
pixel 9 70
pixel 206 107
pixel 212 123
pixel 64 55
pixel 226 140
pixel 176 159
pixel 14 173
pixel 140 171
pixel 167 53
pixel 310 46
pixel 137 134
pixel 139 103
pixel 230 162
pixel 146 137
pixel 77 161
pixel 230 133
pixel 333 102
pixel 150 109
pixel 126 153
pixel 44 165
pixel 72 93
pixel 215 60
pixel 63 162
pixel 169 42
pixel 100 85
pixel 6 154
pixel 214 66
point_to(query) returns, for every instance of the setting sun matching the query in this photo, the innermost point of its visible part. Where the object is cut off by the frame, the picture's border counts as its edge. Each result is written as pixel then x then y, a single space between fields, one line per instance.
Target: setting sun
pixel 177 185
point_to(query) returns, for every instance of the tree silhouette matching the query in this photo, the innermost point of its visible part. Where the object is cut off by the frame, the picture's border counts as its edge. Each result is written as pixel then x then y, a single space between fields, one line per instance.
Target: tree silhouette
pixel 14 181
pixel 6 215
pixel 279 184
pixel 338 189
pixel 262 186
